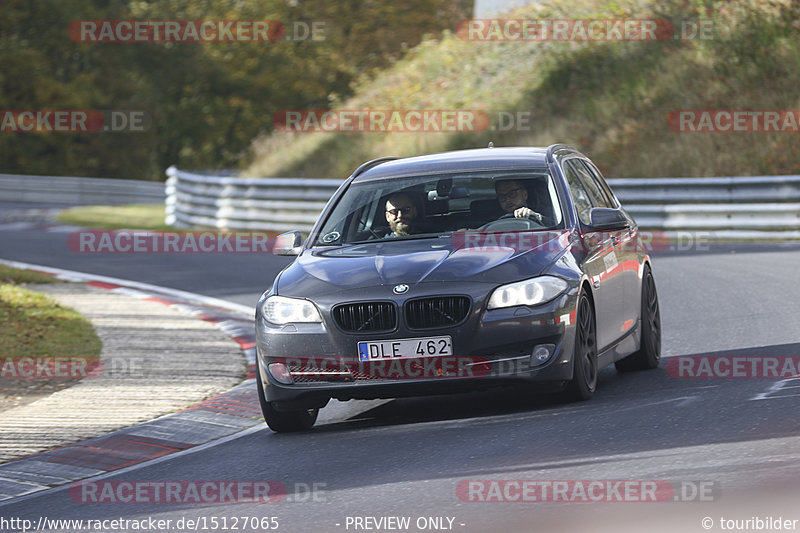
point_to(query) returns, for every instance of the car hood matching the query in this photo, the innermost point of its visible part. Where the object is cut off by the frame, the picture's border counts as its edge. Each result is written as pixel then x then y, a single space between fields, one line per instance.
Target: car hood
pixel 475 257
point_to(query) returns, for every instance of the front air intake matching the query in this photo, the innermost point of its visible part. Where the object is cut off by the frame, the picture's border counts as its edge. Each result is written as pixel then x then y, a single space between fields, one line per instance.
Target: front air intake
pixel 436 312
pixel 366 317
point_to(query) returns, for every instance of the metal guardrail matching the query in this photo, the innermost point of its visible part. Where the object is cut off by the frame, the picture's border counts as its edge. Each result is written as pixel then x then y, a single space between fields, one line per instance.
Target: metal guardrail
pixel 746 207
pixel 740 207
pixel 272 204
pixel 744 190
pixel 79 191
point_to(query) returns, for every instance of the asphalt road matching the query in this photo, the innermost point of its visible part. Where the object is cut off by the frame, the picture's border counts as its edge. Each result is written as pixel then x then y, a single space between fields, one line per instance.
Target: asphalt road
pixel 239 277
pixel 731 446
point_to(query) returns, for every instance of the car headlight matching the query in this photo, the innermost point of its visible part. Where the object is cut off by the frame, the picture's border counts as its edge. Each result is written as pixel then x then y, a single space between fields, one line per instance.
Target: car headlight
pixel 283 310
pixel 532 291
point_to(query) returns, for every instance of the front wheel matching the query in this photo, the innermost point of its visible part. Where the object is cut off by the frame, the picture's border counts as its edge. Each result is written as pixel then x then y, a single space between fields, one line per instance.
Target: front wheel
pixel 649 354
pixel 284 421
pixel 584 373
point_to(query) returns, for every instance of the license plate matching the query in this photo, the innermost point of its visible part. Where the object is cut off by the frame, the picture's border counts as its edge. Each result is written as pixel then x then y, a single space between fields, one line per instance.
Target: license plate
pixel 421 347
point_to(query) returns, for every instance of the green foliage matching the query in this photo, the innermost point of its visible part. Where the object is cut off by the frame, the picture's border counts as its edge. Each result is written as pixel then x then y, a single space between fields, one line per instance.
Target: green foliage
pixel 207 101
pixel 609 99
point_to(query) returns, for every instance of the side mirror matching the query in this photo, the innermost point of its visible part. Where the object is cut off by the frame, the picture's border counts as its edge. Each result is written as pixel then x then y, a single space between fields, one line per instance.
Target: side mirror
pixel 288 243
pixel 605 218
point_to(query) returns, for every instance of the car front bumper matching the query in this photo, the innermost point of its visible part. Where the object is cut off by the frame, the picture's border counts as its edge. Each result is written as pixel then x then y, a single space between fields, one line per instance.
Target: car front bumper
pixel 489 348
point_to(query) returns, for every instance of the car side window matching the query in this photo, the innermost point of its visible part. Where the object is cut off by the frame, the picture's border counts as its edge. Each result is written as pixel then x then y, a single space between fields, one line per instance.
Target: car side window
pixel 579 195
pixel 601 182
pixel 598 196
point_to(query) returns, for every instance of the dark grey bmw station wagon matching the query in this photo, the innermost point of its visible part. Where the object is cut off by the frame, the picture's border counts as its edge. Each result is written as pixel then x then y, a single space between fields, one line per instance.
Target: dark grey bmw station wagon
pixel 455 272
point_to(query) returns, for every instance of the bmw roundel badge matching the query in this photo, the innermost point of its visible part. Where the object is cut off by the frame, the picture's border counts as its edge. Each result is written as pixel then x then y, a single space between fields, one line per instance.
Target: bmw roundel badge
pixel 400 289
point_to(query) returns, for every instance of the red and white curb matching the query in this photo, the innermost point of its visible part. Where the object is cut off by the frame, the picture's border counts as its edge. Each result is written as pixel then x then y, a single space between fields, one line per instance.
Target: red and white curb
pixel 213 419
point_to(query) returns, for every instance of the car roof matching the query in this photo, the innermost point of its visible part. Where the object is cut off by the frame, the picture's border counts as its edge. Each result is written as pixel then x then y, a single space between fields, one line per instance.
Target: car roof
pixel 455 161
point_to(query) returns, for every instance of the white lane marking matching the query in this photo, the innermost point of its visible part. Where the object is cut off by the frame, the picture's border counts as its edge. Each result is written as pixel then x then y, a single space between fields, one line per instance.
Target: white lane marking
pixel 777 387
pixel 72 275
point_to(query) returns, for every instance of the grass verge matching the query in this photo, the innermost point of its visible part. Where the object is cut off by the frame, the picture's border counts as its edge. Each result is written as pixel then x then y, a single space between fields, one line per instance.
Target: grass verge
pixel 17 276
pixel 135 216
pixel 33 325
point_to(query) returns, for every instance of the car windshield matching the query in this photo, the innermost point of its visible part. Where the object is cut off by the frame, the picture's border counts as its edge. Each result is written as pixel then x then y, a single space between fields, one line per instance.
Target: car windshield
pixel 436 205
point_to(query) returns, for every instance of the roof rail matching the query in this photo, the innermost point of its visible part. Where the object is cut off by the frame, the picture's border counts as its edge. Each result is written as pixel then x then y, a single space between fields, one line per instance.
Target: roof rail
pixel 370 164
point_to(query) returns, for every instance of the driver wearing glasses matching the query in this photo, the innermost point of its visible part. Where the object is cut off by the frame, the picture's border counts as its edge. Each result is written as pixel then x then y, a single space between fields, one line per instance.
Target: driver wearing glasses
pixel 513 198
pixel 401 214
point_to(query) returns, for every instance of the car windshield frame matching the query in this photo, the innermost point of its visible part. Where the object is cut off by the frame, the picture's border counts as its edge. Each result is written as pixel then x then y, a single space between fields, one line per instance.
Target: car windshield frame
pixel 446 202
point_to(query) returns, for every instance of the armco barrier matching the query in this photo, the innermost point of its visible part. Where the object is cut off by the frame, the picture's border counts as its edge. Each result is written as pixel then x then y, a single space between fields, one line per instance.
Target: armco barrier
pixel 743 190
pixel 79 191
pixel 746 207
pixel 739 207
pixel 272 204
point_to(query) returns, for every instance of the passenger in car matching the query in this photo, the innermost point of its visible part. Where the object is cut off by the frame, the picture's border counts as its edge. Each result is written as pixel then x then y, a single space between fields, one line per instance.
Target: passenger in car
pixel 513 198
pixel 401 214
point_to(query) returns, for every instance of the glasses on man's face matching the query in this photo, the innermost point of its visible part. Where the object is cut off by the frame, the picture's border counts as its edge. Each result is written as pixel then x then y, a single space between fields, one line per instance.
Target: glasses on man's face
pixel 509 195
pixel 405 210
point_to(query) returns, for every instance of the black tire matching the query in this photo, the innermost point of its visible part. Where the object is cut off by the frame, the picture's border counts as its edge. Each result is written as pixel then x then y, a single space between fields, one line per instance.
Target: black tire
pixel 284 421
pixel 649 354
pixel 584 364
